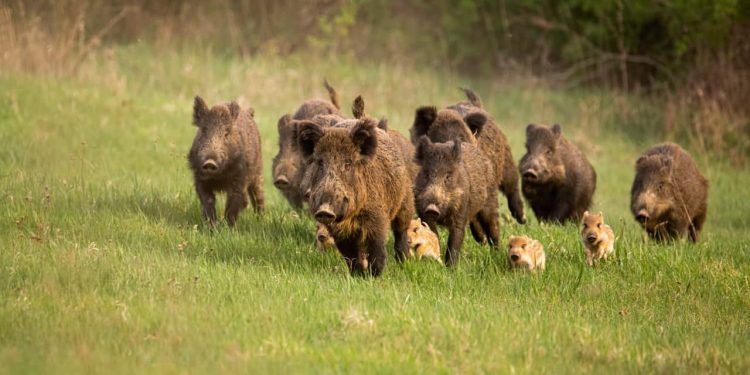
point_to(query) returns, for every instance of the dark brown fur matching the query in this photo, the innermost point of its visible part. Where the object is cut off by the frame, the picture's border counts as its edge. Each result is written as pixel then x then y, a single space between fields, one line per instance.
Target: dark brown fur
pixel 477 127
pixel 669 194
pixel 359 185
pixel 287 167
pixel 226 156
pixel 455 185
pixel 558 180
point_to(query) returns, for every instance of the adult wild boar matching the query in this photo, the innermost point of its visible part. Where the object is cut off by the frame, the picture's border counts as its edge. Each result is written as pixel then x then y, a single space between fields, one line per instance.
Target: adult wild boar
pixel 558 180
pixel 287 166
pixel 669 194
pixel 455 185
pixel 226 156
pixel 473 124
pixel 359 185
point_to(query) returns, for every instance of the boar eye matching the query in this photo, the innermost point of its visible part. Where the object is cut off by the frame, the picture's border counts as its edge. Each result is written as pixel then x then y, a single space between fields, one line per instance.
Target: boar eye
pixel 549 152
pixel 348 166
pixel 599 225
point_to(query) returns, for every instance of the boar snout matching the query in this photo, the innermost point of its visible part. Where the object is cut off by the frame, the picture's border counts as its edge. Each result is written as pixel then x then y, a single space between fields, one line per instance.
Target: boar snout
pixel 514 257
pixel 281 182
pixel 431 212
pixel 325 214
pixel 642 216
pixel 322 237
pixel 591 238
pixel 530 175
pixel 209 166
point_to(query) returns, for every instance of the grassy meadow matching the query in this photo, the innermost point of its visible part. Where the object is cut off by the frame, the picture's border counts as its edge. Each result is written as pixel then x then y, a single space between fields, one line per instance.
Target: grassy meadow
pixel 105 265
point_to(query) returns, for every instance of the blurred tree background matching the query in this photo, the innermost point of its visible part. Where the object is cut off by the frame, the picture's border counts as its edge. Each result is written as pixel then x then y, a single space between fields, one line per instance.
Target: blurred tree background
pixel 696 53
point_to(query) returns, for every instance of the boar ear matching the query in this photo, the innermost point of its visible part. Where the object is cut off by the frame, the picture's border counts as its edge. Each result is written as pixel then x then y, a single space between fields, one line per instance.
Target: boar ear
pixel 200 110
pixel 424 224
pixel 476 122
pixel 422 145
pixel 456 150
pixel 423 119
pixel 383 124
pixel 358 107
pixel 309 135
pixel 556 130
pixel 530 128
pixel 667 163
pixel 234 110
pixel 283 123
pixel 364 135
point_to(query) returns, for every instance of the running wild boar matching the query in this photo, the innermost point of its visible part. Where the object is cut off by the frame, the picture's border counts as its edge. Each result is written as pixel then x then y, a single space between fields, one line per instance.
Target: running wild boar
pixel 455 185
pixel 558 180
pixel 287 166
pixel 669 195
pixel 226 156
pixel 359 186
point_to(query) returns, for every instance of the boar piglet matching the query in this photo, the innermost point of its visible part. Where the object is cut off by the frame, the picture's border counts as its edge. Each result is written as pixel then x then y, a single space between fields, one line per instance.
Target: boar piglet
pixel 287 167
pixel 455 185
pixel 597 237
pixel 669 194
pixel 359 183
pixel 558 180
pixel 226 156
pixel 526 254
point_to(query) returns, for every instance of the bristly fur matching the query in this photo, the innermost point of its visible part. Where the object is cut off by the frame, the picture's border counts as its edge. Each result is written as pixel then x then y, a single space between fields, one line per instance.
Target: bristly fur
pixel 332 94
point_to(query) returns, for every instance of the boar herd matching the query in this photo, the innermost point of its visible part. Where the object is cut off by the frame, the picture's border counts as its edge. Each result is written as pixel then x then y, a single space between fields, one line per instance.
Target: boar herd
pixel 360 179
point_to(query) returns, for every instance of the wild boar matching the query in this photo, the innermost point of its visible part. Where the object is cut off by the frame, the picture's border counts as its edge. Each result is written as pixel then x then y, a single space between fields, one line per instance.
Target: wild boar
pixel 469 122
pixel 526 254
pixel 558 180
pixel 456 184
pixel 598 238
pixel 226 156
pixel 669 194
pixel 287 166
pixel 359 183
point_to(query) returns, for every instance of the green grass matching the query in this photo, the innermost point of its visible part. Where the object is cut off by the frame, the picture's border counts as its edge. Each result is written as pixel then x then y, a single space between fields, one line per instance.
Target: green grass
pixel 105 265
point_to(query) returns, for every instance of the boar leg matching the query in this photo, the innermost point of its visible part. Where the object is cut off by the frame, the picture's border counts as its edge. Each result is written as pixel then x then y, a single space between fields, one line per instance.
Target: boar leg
pixel 456 234
pixel 513 194
pixel 400 225
pixel 236 202
pixel 349 250
pixel 208 203
pixel 255 190
pixel 477 232
pixel 696 226
pixel 376 254
pixel 488 217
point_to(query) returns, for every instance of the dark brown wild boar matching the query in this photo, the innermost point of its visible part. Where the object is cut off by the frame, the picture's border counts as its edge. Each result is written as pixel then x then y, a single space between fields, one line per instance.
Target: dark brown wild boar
pixel 558 180
pixel 476 126
pixel 455 185
pixel 287 167
pixel 359 185
pixel 669 194
pixel 226 156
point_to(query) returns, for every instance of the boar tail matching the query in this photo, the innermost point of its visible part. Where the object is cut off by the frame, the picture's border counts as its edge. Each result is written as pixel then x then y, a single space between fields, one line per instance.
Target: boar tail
pixel 474 99
pixel 332 94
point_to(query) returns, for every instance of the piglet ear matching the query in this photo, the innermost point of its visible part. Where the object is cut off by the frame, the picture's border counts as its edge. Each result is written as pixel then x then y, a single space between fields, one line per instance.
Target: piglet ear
pixel 200 111
pixel 456 150
pixel 364 135
pixel 234 110
pixel 585 213
pixel 309 135
pixel 476 122
pixel 557 130
pixel 423 119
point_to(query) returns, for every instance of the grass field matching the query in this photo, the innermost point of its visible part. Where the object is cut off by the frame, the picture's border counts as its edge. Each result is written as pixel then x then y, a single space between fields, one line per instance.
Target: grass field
pixel 106 267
